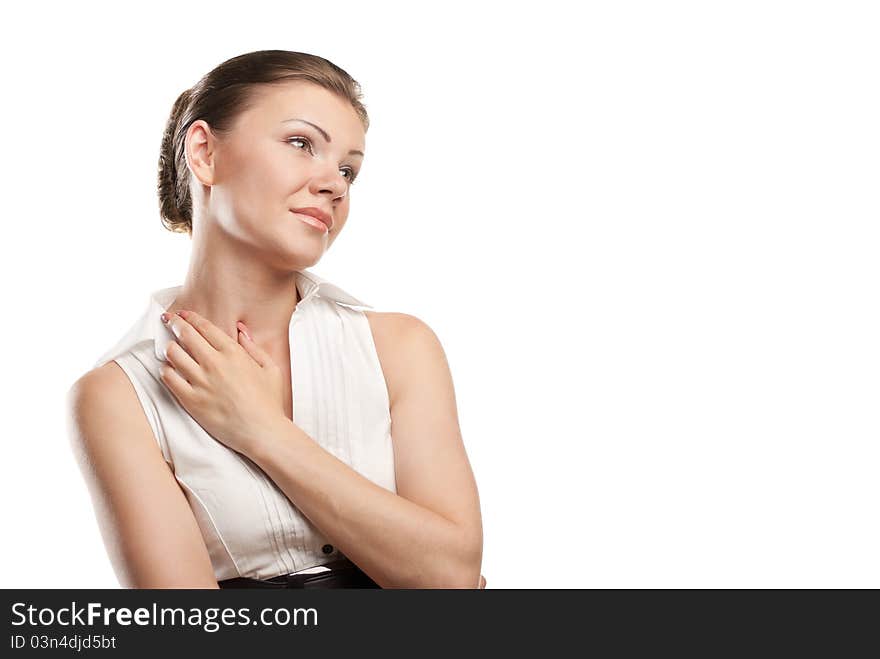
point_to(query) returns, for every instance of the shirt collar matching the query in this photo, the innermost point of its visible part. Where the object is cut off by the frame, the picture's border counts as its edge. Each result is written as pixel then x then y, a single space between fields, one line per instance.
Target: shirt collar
pixel 310 284
pixel 150 325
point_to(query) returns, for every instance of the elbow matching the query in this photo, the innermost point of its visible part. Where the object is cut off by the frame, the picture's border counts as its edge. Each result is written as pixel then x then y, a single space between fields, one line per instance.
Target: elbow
pixel 465 570
pixel 466 575
pixel 468 579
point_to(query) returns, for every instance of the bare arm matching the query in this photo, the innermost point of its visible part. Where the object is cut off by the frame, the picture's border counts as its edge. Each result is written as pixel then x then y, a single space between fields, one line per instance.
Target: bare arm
pixel 428 534
pixel 149 531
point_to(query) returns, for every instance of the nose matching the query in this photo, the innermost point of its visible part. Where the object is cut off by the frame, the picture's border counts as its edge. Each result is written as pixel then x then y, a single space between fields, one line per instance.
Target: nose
pixel 331 181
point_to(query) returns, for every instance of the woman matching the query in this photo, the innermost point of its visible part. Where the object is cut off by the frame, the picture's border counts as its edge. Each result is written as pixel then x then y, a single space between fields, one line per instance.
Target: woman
pixel 239 434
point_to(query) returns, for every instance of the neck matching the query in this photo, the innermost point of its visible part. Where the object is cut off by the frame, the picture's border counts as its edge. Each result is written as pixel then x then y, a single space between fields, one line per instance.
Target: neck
pixel 227 288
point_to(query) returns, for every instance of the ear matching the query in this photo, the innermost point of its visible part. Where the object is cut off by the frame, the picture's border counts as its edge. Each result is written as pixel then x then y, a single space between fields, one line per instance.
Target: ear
pixel 199 149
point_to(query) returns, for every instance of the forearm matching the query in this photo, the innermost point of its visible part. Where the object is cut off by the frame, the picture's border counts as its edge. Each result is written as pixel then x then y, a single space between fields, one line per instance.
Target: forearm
pixel 397 542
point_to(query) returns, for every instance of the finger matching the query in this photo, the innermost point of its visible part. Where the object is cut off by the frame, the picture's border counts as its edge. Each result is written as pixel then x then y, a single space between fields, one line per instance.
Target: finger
pixel 213 334
pixel 189 337
pixel 175 382
pixel 182 362
pixel 244 338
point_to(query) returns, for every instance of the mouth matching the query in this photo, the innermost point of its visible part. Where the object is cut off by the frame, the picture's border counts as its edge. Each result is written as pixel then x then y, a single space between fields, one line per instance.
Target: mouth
pixel 315 214
pixel 312 222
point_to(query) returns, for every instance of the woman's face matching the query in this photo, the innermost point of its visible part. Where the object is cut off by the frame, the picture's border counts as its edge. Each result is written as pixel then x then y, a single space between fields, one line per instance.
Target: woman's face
pixel 273 161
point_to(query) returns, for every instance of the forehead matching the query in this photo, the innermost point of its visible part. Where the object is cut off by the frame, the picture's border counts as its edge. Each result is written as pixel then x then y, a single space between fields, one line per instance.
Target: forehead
pixel 272 104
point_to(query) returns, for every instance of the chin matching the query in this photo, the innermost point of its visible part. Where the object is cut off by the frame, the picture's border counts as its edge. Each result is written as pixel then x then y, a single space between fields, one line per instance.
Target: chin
pixel 291 253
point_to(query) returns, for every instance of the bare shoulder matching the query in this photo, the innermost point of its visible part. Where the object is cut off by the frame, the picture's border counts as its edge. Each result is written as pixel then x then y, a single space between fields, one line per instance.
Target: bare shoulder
pixel 397 326
pixel 105 387
pixel 404 343
pixel 102 407
pixel 106 379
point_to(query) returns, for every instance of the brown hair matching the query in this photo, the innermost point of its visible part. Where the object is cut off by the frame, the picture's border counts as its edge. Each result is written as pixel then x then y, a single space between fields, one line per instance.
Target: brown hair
pixel 218 98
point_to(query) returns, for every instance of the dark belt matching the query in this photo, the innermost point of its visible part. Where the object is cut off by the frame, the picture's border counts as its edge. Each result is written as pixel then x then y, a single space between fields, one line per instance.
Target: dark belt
pixel 342 574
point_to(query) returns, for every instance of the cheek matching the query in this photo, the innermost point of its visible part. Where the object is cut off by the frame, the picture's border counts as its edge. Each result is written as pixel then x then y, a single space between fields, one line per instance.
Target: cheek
pixel 340 217
pixel 264 166
pixel 266 188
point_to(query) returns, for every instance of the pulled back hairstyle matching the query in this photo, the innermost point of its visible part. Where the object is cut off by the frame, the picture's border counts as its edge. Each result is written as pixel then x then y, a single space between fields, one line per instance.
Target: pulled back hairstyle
pixel 218 98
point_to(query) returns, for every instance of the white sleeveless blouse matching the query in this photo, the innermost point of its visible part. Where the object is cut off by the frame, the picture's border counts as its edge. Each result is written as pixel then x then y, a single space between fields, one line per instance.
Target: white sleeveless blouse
pixel 340 399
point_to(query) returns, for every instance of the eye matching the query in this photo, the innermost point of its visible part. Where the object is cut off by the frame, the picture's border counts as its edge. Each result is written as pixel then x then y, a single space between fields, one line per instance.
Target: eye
pixel 300 139
pixel 352 174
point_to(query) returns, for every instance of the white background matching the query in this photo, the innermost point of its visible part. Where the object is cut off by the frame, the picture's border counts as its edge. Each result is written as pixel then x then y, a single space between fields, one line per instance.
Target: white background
pixel 645 233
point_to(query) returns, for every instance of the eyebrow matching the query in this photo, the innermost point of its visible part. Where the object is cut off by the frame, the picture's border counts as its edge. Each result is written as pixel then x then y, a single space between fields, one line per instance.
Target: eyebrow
pixel 353 152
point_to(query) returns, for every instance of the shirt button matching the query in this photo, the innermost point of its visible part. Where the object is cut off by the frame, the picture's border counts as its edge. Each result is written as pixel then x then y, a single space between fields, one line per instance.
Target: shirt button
pixel 327 549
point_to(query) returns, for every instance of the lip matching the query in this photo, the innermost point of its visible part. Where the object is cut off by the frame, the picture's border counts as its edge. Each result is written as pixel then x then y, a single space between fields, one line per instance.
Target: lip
pixel 317 213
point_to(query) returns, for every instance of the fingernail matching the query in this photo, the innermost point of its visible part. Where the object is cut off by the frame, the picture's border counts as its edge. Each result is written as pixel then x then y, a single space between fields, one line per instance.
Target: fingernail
pixel 244 331
pixel 165 318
